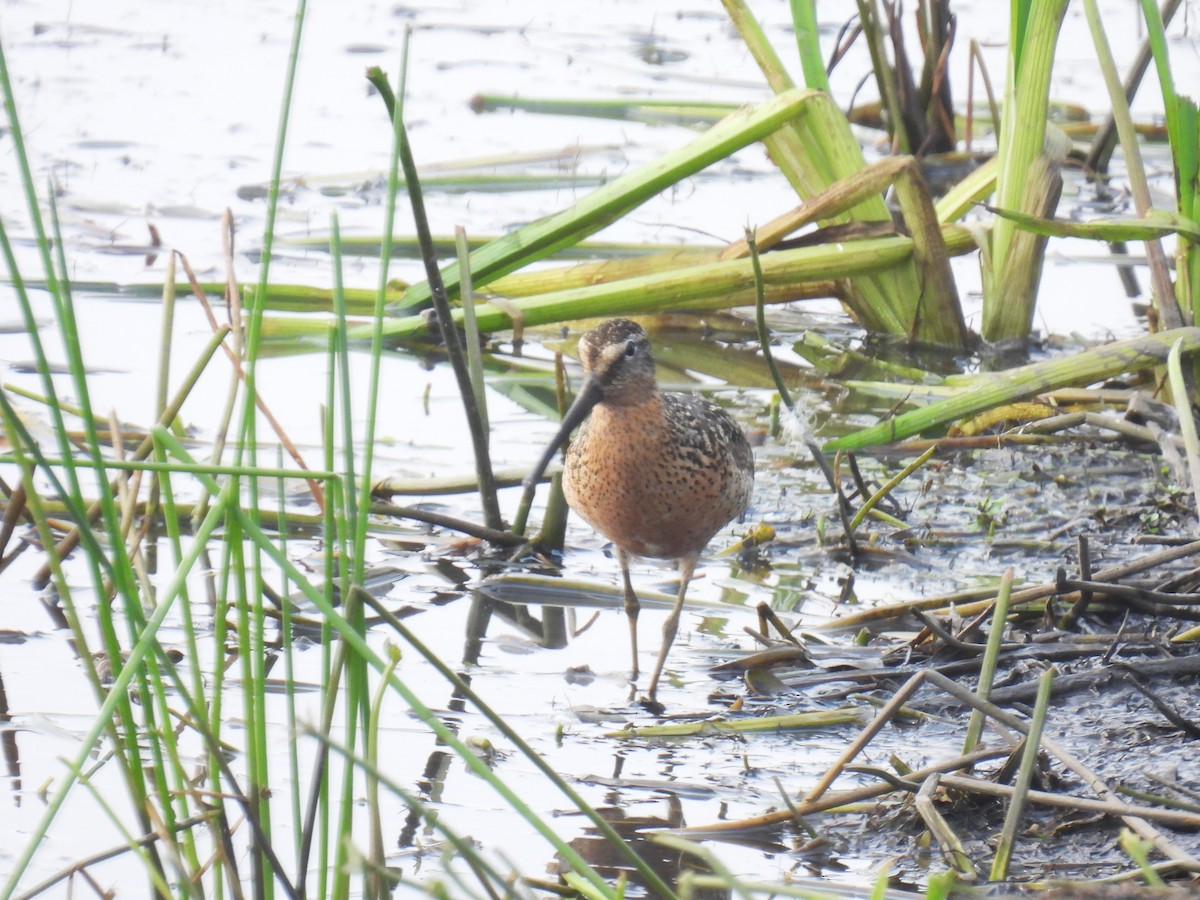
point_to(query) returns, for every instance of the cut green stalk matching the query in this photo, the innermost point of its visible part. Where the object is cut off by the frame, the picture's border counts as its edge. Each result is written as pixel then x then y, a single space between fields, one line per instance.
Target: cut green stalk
pixel 1025 774
pixel 991 659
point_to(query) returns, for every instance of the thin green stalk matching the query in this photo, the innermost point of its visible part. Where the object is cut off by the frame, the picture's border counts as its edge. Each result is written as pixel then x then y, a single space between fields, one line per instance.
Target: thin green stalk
pixel 760 321
pixel 316 814
pixel 257 764
pixel 288 650
pixel 376 326
pixel 464 848
pixel 162 381
pixel 890 486
pixel 356 696
pixel 340 376
pixel 1025 773
pixel 991 660
pixel 377 856
pixel 470 327
pixel 175 539
pixel 1135 171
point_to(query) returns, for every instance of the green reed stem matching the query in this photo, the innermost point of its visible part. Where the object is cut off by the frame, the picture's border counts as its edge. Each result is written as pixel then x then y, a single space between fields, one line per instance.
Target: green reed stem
pixel 441 305
pixel 760 321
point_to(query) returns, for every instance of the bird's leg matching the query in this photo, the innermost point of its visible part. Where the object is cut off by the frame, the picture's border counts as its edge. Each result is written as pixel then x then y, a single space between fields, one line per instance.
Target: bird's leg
pixel 687 565
pixel 632 608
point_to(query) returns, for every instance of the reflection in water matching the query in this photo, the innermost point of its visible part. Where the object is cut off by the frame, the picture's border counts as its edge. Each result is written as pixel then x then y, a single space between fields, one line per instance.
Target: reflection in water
pixel 667 862
pixel 550 631
pixel 8 739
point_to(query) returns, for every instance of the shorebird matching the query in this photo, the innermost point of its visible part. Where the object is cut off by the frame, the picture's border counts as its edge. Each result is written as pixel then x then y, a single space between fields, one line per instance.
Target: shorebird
pixel 658 474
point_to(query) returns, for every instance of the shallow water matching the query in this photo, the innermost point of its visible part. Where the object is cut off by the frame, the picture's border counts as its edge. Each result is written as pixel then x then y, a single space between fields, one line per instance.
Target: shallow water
pixel 164 114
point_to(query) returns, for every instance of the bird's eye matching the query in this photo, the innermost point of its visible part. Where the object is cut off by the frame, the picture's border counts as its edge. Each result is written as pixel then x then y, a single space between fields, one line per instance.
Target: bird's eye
pixel 630 348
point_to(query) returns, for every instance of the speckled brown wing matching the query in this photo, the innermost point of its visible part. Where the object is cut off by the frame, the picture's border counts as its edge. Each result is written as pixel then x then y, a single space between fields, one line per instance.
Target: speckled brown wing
pixel 661 477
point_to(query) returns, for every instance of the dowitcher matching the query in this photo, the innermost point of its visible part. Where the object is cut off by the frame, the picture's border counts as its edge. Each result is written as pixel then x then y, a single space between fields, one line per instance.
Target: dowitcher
pixel 656 473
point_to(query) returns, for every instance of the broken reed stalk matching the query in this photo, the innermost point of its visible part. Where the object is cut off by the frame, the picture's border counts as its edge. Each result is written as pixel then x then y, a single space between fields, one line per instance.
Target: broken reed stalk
pixel 1187 421
pixel 599 208
pixel 865 737
pixel 492 535
pixel 965 606
pixel 470 328
pixel 888 784
pixel 441 305
pixel 234 353
pixel 1172 818
pixel 1088 367
pixel 818 150
pixel 952 847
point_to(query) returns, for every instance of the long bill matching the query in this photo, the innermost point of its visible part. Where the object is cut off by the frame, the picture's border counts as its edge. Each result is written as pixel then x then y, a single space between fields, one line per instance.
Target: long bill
pixel 589 395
